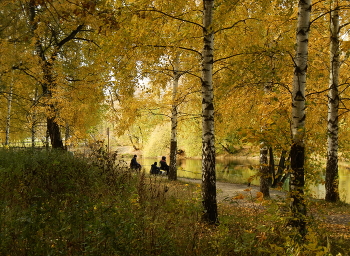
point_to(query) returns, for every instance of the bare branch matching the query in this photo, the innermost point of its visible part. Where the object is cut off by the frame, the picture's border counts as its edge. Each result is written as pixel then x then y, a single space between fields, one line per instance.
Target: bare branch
pixel 170 16
pixel 180 47
pixel 233 25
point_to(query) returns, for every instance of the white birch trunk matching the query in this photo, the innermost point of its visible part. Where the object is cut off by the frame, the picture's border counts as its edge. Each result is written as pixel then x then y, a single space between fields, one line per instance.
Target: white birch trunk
pixel 174 115
pixel 208 135
pixel 298 118
pixel 332 193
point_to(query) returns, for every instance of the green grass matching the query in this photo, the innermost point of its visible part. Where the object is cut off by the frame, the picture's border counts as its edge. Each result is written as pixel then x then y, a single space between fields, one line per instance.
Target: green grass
pixel 52 203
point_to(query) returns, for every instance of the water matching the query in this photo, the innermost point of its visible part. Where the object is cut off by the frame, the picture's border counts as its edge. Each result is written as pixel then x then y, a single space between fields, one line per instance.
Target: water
pixel 344 186
pixel 243 170
pixel 235 171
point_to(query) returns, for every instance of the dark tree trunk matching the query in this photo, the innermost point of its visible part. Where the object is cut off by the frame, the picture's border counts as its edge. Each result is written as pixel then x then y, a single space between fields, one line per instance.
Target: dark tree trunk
pixel 209 188
pixel 54 133
pixel 332 181
pixel 172 167
pixel 264 173
pixel 280 169
pixel 271 166
pixel 298 206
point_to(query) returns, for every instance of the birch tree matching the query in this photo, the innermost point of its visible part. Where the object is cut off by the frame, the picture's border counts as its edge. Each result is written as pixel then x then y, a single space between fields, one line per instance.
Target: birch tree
pixel 332 182
pixel 296 194
pixel 208 134
pixel 174 119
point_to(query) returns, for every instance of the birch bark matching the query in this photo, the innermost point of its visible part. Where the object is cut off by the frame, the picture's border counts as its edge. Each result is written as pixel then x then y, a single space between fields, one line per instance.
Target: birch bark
pixel 296 194
pixel 332 182
pixel 208 136
pixel 174 115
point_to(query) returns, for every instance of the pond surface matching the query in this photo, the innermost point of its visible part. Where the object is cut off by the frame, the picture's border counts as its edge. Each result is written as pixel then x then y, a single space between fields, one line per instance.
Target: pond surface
pixel 241 170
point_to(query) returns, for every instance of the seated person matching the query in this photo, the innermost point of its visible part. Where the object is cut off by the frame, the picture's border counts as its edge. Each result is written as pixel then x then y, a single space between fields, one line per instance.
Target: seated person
pixel 155 169
pixel 134 164
pixel 163 165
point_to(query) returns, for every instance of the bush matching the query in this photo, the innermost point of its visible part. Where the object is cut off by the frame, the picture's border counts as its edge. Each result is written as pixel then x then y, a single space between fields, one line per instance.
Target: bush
pixel 52 203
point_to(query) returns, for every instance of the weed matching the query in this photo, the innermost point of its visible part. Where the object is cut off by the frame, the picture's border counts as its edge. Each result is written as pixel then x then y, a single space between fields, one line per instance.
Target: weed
pixel 52 203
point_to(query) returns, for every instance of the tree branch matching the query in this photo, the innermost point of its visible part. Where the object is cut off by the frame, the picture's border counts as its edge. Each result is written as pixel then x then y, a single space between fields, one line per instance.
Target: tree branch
pixel 70 36
pixel 233 25
pixel 170 16
pixel 180 47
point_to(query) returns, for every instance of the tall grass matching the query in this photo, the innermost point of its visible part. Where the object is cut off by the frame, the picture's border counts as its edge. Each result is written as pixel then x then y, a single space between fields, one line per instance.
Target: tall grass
pixel 52 203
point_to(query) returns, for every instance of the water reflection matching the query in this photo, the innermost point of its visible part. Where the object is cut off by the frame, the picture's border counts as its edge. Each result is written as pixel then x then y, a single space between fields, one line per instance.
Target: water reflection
pixel 235 171
pixel 242 170
pixel 344 184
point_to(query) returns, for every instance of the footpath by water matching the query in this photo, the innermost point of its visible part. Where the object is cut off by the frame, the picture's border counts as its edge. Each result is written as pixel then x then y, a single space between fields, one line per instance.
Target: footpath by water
pixel 241 170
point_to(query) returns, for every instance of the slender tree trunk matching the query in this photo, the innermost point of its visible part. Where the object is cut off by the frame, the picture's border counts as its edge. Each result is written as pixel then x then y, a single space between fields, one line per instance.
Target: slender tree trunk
pixel 271 166
pixel 280 169
pixel 208 135
pixel 132 142
pixel 264 172
pixel 332 193
pixel 173 139
pixel 67 136
pixel 296 194
pixel 33 125
pixel 264 149
pixel 33 132
pixel 8 117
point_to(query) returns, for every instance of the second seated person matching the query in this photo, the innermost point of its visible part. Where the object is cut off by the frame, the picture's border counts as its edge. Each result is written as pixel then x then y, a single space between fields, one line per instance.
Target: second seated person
pixel 163 165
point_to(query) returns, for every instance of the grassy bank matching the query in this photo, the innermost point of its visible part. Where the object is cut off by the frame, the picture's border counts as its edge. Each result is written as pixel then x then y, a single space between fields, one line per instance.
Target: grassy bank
pixel 52 203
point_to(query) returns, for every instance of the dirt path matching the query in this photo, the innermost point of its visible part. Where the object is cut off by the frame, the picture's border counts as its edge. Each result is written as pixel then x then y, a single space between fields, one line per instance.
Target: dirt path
pixel 237 192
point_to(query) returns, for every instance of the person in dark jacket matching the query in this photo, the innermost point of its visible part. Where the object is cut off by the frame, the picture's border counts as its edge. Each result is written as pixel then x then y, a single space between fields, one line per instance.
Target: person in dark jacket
pixel 163 165
pixel 134 164
pixel 155 169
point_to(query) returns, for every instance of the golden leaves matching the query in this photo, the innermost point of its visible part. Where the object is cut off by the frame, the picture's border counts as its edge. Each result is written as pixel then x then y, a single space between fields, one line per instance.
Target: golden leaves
pixel 239 196
pixel 248 196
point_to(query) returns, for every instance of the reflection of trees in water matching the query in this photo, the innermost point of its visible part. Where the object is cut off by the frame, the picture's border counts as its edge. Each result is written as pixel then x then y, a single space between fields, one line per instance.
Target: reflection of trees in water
pixel 235 171
pixel 344 184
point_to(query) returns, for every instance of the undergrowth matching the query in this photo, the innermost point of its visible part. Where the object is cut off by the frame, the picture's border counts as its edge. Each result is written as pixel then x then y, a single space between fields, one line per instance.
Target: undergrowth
pixel 52 203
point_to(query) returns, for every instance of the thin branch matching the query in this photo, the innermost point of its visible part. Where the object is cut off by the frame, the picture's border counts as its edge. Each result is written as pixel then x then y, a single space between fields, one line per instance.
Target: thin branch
pixel 180 47
pixel 233 25
pixel 228 57
pixel 87 40
pixel 170 16
pixel 344 25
